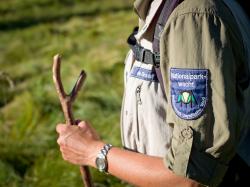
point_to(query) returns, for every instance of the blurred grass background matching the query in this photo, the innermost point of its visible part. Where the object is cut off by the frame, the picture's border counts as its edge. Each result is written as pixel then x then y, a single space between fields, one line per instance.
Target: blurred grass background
pixel 90 35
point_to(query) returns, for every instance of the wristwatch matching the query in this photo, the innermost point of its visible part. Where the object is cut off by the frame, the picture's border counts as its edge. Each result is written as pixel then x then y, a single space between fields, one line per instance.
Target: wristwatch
pixel 101 159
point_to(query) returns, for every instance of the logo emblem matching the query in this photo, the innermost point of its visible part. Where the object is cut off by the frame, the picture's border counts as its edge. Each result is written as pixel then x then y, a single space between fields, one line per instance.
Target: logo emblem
pixel 189 92
pixel 187 97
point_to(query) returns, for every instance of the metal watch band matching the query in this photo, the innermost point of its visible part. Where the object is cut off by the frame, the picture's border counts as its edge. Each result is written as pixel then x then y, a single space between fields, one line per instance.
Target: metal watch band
pixel 102 158
pixel 105 149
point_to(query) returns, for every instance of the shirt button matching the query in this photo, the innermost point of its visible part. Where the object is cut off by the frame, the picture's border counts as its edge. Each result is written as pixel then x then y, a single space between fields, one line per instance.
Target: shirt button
pixel 187 133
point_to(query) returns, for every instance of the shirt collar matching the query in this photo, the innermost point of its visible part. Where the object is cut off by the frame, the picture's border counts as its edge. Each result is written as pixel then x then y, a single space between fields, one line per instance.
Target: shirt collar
pixel 141 8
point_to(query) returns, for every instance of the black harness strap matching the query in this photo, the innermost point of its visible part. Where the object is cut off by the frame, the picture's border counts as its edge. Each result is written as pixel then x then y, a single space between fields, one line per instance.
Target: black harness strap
pixel 140 53
pixel 167 9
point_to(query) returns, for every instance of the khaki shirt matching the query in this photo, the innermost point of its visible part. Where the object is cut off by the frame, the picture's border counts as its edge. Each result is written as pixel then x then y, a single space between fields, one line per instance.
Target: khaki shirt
pixel 201 48
pixel 143 117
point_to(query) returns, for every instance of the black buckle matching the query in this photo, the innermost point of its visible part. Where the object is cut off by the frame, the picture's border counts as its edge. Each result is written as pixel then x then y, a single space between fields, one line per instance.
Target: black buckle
pixel 157 59
pixel 148 57
pixel 142 53
pixel 139 52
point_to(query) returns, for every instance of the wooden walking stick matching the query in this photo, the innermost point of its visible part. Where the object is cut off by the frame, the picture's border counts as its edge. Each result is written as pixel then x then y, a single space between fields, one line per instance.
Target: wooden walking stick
pixel 66 103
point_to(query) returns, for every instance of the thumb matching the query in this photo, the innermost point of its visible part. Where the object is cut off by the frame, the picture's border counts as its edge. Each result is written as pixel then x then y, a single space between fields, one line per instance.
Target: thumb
pixel 83 125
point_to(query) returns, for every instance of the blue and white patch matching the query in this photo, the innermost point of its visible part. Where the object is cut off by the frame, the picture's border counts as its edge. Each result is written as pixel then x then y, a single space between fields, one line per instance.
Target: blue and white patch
pixel 144 74
pixel 189 92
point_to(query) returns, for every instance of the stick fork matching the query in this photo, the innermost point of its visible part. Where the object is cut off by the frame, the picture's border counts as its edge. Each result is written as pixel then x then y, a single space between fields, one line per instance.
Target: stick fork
pixel 66 101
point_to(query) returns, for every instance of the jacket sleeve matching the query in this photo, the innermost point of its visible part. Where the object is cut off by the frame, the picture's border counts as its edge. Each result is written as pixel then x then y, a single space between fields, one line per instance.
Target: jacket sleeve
pixel 201 64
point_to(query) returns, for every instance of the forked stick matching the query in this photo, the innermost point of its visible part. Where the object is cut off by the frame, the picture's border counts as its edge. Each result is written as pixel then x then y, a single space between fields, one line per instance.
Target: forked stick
pixel 66 103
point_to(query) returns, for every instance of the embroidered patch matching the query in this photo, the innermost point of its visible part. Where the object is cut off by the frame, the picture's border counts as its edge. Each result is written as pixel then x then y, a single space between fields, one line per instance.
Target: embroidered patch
pixel 189 92
pixel 144 74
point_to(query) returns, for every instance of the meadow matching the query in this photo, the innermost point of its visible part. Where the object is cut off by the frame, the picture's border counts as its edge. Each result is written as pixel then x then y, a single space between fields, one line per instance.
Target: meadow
pixel 90 35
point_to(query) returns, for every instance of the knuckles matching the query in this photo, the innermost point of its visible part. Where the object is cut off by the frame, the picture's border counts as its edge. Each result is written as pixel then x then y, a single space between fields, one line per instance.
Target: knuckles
pixel 61 142
pixel 66 128
pixel 65 157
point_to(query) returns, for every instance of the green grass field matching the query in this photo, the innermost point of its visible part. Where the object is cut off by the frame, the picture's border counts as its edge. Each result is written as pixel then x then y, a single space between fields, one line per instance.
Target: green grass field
pixel 90 35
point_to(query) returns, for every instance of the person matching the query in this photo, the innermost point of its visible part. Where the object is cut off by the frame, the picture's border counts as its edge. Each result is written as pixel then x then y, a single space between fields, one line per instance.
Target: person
pixel 185 130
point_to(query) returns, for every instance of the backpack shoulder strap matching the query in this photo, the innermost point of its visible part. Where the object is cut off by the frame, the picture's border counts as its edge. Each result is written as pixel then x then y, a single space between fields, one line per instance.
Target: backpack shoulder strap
pixel 166 11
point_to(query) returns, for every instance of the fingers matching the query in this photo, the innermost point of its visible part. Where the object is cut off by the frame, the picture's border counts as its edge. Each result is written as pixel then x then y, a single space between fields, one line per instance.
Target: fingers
pixel 74 140
pixel 61 141
pixel 65 133
pixel 73 156
pixel 86 126
pixel 83 125
pixel 61 128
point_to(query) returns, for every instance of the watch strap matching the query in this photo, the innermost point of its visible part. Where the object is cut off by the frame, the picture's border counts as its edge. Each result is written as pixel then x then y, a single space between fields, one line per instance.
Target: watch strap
pixel 103 154
pixel 106 149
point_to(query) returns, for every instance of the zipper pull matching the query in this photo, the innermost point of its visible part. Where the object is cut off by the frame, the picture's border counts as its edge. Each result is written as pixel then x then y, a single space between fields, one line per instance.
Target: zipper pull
pixel 138 95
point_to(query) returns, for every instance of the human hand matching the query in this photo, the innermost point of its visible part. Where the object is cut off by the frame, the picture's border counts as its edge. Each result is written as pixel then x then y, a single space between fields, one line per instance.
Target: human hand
pixel 79 144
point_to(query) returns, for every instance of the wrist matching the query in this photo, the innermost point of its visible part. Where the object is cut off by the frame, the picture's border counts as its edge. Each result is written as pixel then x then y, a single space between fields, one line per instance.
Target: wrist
pixel 96 149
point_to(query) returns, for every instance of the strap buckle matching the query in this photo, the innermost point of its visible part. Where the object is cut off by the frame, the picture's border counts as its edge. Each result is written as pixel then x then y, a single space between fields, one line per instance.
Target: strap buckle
pixel 138 52
pixel 142 52
pixel 157 59
pixel 146 56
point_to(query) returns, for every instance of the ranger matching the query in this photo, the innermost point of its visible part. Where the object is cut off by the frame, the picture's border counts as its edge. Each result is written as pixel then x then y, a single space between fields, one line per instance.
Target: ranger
pixel 186 102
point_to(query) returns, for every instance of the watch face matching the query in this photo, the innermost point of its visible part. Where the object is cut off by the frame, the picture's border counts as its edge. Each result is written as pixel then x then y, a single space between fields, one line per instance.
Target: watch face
pixel 101 163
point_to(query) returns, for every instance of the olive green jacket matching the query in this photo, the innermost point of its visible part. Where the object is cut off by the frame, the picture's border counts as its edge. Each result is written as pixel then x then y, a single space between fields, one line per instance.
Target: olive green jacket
pixel 202 45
